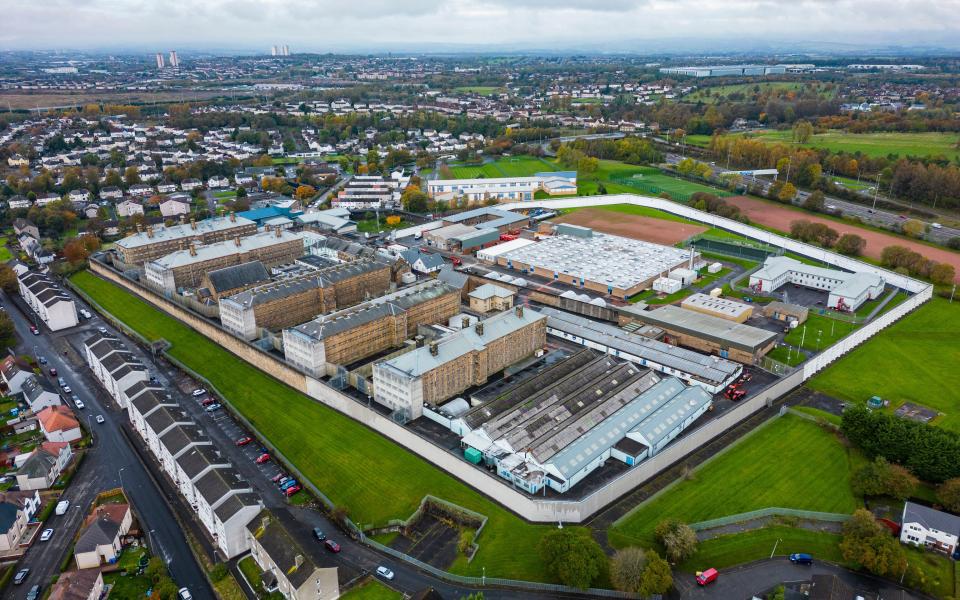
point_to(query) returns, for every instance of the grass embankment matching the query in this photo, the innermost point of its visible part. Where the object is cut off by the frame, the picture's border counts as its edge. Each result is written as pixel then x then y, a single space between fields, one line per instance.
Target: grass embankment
pixel 372 590
pixel 913 360
pixel 790 463
pixel 875 144
pixel 373 478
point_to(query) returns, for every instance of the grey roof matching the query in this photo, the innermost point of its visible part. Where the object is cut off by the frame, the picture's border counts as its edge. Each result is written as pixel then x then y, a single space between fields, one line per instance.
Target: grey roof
pixel 242 275
pixel 282 549
pixel 451 277
pixel 216 250
pixel 164 417
pixel 199 458
pixel 33 387
pixel 218 483
pixel 295 285
pixel 149 399
pixel 488 290
pixel 235 504
pixel 931 518
pixel 497 217
pixel 180 231
pixel 37 464
pixel 8 515
pixel 430 261
pixel 101 532
pixel 736 335
pixel 709 369
pixel 181 436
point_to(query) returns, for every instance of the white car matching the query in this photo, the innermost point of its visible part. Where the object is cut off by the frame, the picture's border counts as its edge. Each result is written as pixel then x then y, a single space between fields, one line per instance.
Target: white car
pixel 46 535
pixel 101 420
pixel 79 403
pixel 384 572
pixel 184 594
pixel 199 392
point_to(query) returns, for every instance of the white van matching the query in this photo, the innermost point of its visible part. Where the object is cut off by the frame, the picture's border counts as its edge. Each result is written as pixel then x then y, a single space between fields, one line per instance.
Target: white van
pixel 62 507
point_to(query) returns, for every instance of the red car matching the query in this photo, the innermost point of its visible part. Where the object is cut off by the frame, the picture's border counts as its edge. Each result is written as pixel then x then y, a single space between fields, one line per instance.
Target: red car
pixel 292 490
pixel 278 476
pixel 34 330
pixel 332 546
pixel 53 372
pixel 244 440
pixel 208 401
pixel 263 458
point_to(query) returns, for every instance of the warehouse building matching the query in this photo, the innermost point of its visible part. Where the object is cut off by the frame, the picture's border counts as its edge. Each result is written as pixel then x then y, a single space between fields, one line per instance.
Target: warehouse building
pixel 712 373
pixel 607 264
pixel 558 427
pixel 725 308
pixel 356 333
pixel 725 70
pixel 432 374
pixel 185 269
pixel 45 298
pixel 706 333
pixel 161 240
pixel 848 291
pixel 294 300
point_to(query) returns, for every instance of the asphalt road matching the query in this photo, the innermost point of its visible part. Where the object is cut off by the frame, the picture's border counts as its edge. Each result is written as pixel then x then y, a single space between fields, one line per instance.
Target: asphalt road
pixel 110 461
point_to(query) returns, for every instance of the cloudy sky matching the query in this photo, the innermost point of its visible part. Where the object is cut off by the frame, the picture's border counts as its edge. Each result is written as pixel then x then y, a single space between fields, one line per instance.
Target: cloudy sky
pixel 602 25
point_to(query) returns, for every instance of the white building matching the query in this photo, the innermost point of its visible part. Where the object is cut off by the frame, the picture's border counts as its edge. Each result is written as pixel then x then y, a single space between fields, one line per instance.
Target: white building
pixel 287 568
pixel 114 365
pixel 929 528
pixel 44 297
pixel 847 290
pixel 516 189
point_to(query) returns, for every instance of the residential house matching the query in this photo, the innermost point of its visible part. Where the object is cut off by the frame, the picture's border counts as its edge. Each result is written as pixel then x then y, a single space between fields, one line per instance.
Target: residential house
pixel 142 400
pixel 84 584
pixel 14 374
pixel 287 568
pixel 18 202
pixel 58 424
pixel 167 187
pixel 114 365
pixel 422 262
pixel 176 442
pixel 160 422
pixel 225 504
pixel 48 301
pixel 39 393
pixel 41 470
pixel 218 181
pixel 129 207
pixel 933 529
pixel 193 462
pixel 101 536
pixel 47 199
pixel 141 190
pixel 188 185
pixel 25 226
pixel 79 197
pixel 91 211
pixel 16 510
pixel 172 207
pixel 111 193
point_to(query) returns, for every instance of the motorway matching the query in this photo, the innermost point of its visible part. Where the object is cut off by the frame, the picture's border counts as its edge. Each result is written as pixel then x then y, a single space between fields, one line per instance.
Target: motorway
pixel 110 460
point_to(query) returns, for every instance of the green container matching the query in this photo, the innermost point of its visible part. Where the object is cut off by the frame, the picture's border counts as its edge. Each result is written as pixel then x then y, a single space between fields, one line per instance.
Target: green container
pixel 473 455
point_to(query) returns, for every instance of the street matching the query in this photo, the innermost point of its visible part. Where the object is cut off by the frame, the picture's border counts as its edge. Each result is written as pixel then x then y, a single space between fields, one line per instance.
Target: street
pixel 109 461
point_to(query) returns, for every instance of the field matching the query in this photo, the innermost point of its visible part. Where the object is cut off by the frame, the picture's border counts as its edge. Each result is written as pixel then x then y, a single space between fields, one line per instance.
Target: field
pixel 375 480
pixel 765 470
pixel 779 217
pixel 65 99
pixel 513 166
pixel 821 332
pixel 635 222
pixel 735 549
pixel 913 360
pixel 482 90
pixel 876 144
pixel 714 94
pixel 650 181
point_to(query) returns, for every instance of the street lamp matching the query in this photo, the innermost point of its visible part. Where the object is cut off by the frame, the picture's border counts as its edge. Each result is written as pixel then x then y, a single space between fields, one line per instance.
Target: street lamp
pixel 120 473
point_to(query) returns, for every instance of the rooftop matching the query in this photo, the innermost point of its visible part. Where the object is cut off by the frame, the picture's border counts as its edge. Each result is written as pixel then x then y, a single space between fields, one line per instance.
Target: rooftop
pixel 738 335
pixel 216 250
pixel 180 231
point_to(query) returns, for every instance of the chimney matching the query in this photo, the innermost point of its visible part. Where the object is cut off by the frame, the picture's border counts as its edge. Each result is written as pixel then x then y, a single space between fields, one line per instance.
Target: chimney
pixel 150 231
pixel 518 309
pixel 298 562
pixel 465 323
pixel 419 341
pixel 193 224
pixel 180 244
pixel 193 249
pixel 233 217
pixel 183 219
pixel 434 349
pixel 479 328
pixel 236 240
pixel 139 227
pixel 277 230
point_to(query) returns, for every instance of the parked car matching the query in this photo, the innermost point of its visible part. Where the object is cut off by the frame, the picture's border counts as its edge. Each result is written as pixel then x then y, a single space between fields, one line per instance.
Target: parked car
pixel 213 407
pixel 199 392
pixel 208 402
pixel 67 389
pixel 102 330
pixel 708 576
pixel 737 395
pixel 332 546
pixel 319 534
pixel 801 558
pixel 21 576
pixel 78 402
pixel 34 593
pixel 42 360
pixel 384 572
pixel 286 485
pixel 244 440
pixel 262 458
pixel 283 480
pixel 61 381
pixel 101 420
pixel 85 313
pixel 34 330
pixel 184 594
pixel 278 476
pixel 46 535
pixel 291 491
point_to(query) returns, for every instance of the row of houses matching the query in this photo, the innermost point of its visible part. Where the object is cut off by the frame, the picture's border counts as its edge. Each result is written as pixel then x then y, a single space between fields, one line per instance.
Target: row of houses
pixel 45 298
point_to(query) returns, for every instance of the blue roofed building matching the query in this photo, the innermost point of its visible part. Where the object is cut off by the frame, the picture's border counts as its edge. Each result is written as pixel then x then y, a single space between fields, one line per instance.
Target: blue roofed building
pixel 270 216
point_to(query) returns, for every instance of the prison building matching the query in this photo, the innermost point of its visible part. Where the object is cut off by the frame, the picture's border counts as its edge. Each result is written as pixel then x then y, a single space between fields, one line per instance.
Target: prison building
pixel 705 333
pixel 783 311
pixel 725 308
pixel 356 333
pixel 186 268
pixel 233 280
pixel 555 429
pixel 489 298
pixel 155 242
pixel 607 264
pixel 712 373
pixel 432 374
pixel 45 298
pixel 294 300
pixel 521 188
pixel 847 290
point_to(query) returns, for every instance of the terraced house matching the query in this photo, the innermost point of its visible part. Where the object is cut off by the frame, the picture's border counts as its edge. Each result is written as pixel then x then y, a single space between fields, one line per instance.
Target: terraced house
pixel 44 297
pixel 114 366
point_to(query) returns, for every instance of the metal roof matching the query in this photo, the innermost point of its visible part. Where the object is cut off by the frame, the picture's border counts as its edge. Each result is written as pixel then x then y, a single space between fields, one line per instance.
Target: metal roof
pixel 180 231
pixel 729 333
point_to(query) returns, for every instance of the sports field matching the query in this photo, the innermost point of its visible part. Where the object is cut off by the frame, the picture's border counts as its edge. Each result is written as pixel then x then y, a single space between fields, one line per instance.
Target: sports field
pixel 648 181
pixel 913 360
pixel 876 144
pixel 511 166
pixel 637 222
pixel 370 476
pixel 767 469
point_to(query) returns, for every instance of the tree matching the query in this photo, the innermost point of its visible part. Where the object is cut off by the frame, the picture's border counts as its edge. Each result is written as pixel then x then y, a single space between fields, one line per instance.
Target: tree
pixel 677 539
pixel 913 228
pixel 948 494
pixel 305 192
pixel 165 589
pixel 587 165
pixel 869 544
pixel 413 200
pixel 574 558
pixel 8 280
pixel 802 132
pixel 942 274
pixel 626 569
pixel 8 333
pixel 787 193
pixel 657 577
pixel 850 244
pixel 131 176
pixel 155 569
pixel 881 478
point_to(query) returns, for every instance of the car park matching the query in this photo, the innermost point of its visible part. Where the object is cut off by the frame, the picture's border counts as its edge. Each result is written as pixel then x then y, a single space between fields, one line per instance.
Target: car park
pixel 708 576
pixel 262 458
pixel 801 558
pixel 199 392
pixel 21 576
pixel 100 419
pixel 46 535
pixel 319 534
pixel 213 407
pixel 291 491
pixel 384 572
pixel 244 440
pixel 332 546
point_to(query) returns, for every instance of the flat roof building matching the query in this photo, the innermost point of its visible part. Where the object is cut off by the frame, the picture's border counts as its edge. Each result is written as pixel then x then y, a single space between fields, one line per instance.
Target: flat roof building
pixel 848 291
pixel 725 308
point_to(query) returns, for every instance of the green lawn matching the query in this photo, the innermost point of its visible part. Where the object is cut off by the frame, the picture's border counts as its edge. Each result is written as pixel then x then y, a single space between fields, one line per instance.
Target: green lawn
pixel 372 590
pixel 786 356
pixel 373 478
pixel 720 93
pixel 819 332
pixel 652 297
pixel 225 194
pixel 642 180
pixel 5 254
pixel 735 549
pixel 508 166
pixel 370 225
pixel 127 586
pixel 876 144
pixel 482 90
pixel 913 360
pixel 790 463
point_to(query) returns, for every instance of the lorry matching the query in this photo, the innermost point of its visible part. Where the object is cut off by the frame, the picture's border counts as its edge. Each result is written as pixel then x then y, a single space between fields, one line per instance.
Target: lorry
pixel 62 507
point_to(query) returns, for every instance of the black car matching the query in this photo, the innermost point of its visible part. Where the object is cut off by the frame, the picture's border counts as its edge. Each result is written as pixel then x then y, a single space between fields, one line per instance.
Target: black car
pixel 319 534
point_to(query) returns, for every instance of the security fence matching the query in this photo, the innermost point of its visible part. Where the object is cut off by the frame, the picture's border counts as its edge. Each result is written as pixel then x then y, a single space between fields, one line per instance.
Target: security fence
pixel 763 513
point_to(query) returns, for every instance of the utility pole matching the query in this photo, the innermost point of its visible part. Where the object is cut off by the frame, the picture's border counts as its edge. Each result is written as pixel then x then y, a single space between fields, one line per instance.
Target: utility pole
pixel 876 190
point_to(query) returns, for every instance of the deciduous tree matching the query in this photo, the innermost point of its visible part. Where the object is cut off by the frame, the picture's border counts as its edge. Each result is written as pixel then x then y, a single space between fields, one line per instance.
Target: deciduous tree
pixel 574 558
pixel 677 539
pixel 850 244
pixel 626 569
pixel 657 577
pixel 948 494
